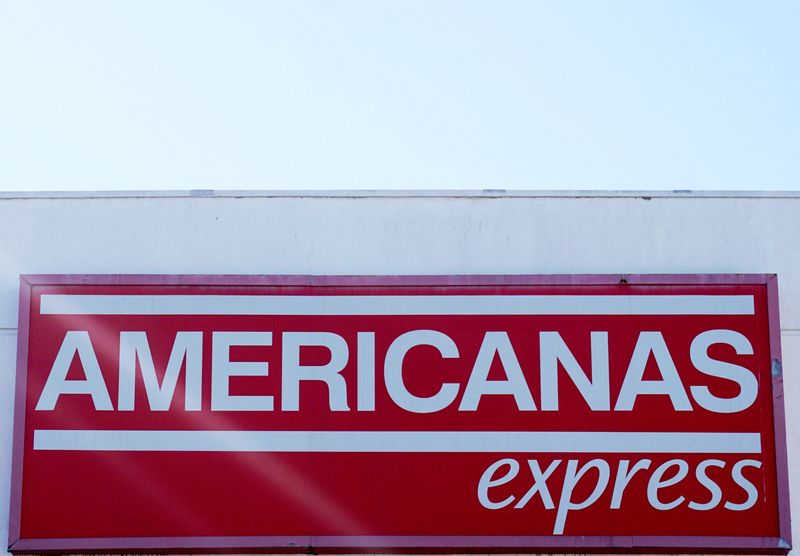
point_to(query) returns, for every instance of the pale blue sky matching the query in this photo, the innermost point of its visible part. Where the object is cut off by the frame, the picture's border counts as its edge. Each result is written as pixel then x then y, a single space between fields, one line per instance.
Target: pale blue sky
pixel 414 94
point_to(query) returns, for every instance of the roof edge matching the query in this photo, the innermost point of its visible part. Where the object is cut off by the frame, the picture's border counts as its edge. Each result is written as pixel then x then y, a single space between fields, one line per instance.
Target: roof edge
pixel 401 193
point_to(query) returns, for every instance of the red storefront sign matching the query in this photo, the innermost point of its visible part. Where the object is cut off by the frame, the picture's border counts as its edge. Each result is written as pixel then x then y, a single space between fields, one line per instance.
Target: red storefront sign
pixel 458 413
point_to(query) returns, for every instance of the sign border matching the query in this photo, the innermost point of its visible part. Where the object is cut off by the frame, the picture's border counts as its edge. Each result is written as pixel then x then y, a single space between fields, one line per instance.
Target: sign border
pixel 399 544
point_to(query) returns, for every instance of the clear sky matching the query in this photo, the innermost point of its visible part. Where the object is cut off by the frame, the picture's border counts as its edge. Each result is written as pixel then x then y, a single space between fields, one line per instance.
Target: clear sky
pixel 386 94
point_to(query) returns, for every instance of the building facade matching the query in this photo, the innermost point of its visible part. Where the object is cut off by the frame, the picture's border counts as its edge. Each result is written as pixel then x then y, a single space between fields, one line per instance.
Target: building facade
pixel 400 233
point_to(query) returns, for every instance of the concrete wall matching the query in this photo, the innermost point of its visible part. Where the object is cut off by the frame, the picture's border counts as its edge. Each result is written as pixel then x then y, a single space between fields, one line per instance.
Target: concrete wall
pixel 393 233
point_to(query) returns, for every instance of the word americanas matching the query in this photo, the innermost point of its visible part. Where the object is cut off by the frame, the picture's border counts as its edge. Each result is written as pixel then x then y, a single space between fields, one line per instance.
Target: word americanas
pixel 554 353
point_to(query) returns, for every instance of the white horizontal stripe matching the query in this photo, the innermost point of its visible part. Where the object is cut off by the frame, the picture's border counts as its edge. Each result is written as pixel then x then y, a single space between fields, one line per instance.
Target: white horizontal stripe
pixel 61 304
pixel 394 441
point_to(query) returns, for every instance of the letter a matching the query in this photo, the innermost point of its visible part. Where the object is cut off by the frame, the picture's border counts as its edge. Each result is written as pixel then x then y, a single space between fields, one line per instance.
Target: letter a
pixel 57 383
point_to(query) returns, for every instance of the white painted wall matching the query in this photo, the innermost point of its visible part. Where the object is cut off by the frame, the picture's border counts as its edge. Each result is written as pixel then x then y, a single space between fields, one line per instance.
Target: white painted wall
pixel 427 233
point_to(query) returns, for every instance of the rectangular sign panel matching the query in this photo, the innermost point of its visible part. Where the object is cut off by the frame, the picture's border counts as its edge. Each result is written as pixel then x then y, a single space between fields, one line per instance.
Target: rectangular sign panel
pixel 446 414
